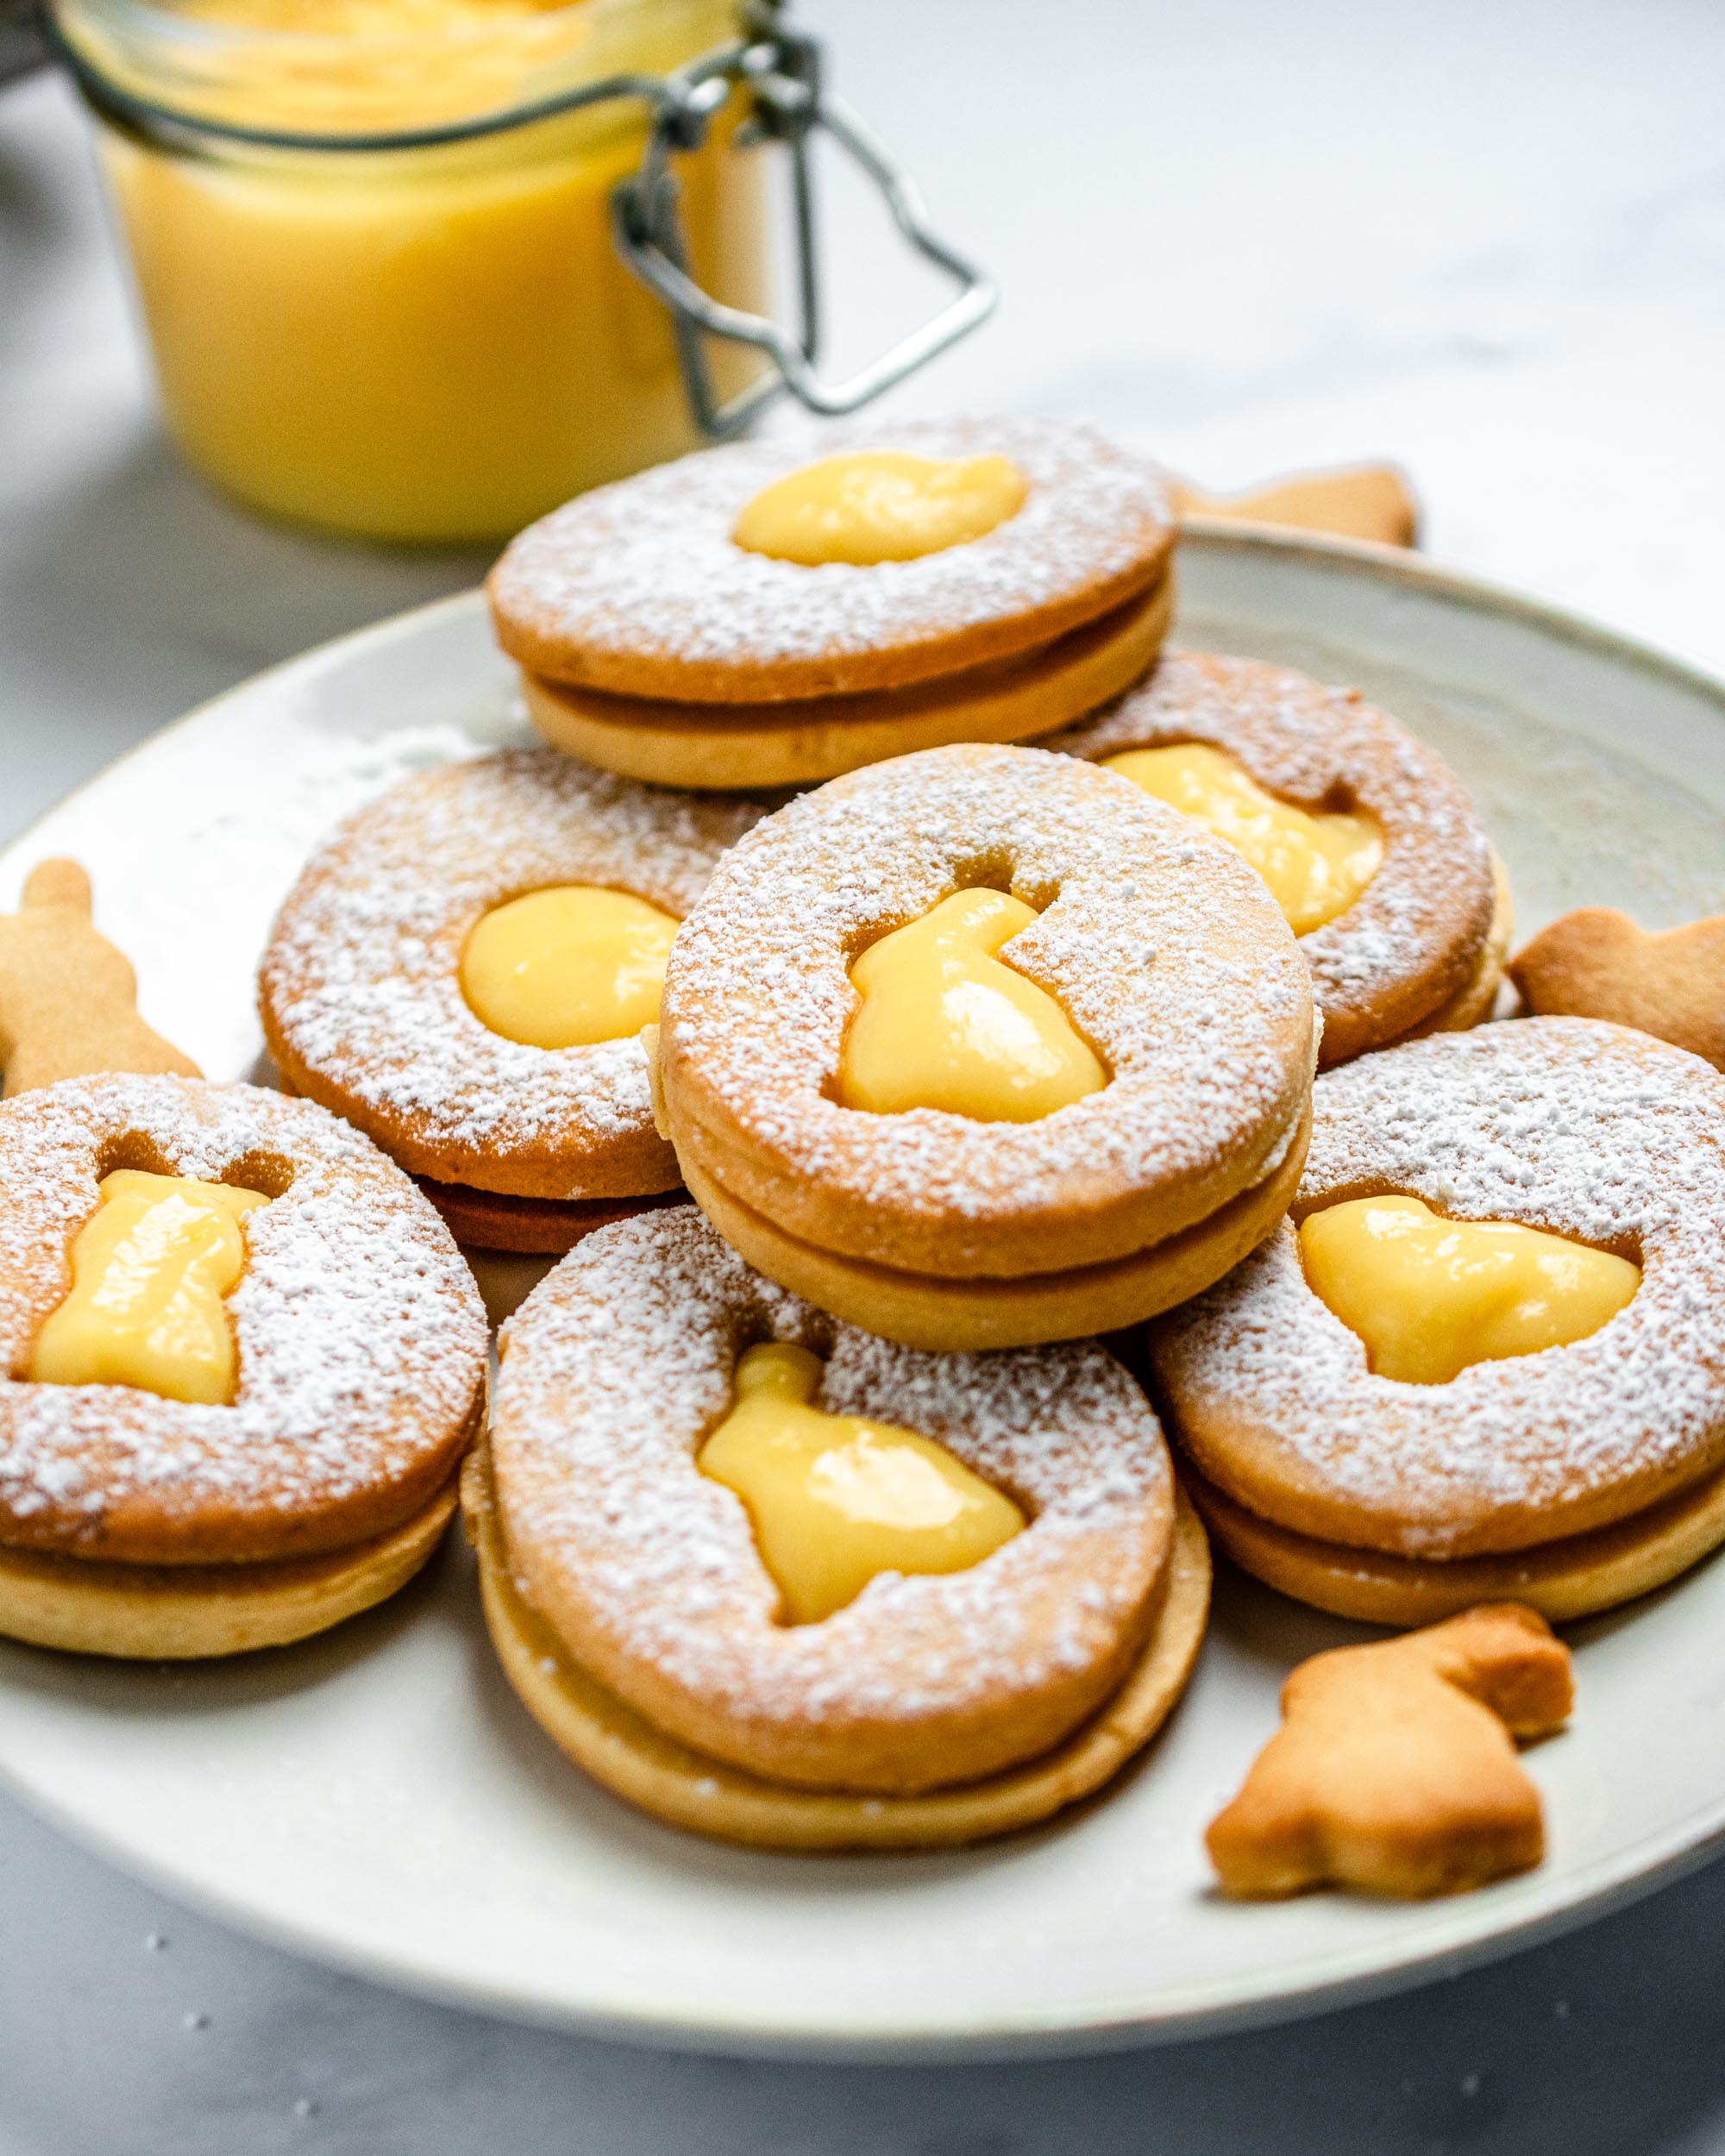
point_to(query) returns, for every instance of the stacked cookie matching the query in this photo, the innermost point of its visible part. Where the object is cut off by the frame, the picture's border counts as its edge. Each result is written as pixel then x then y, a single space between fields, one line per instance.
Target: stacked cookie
pixel 1372 847
pixel 750 618
pixel 242 1356
pixel 1394 1413
pixel 932 1209
pixel 463 969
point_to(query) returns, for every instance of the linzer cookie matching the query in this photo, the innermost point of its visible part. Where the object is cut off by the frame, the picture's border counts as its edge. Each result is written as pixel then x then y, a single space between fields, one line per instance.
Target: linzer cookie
pixel 780 1581
pixel 463 970
pixel 1485 1357
pixel 757 616
pixel 245 1359
pixel 1369 844
pixel 981 1047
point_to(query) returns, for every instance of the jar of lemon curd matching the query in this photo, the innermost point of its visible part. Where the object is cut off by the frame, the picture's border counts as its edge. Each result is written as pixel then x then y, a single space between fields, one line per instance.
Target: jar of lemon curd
pixel 421 269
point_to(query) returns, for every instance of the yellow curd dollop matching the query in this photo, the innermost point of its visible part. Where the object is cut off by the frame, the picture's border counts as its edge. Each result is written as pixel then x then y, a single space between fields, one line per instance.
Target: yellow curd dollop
pixel 836 1498
pixel 880 505
pixel 567 967
pixel 1429 1296
pixel 945 1024
pixel 1316 865
pixel 150 1270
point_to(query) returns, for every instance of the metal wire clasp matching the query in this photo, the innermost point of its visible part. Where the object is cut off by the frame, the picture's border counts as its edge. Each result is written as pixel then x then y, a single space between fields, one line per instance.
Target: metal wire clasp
pixel 778 70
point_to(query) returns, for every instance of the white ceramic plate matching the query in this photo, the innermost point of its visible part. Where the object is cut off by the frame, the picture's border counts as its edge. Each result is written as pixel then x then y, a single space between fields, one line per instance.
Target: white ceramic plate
pixel 377 1798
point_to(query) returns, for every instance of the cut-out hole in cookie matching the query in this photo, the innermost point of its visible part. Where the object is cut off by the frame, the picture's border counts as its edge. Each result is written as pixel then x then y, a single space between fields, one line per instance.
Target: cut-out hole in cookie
pixel 1429 1295
pixel 836 1500
pixel 151 1271
pixel 259 1170
pixel 569 965
pixel 944 1021
pixel 1316 864
pixel 874 505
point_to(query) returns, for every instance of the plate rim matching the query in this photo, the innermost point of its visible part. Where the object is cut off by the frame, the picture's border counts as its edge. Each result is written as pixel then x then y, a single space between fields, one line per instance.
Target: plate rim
pixel 1220 534
pixel 1472 1936
pixel 1353 1977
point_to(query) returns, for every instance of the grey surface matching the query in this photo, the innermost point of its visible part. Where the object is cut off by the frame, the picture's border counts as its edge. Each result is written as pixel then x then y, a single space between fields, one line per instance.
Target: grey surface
pixel 1487 240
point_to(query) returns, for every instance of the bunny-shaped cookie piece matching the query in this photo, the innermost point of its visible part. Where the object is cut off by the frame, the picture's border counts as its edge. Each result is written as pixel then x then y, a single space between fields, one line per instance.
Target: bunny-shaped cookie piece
pixel 1597 963
pixel 1394 1769
pixel 68 998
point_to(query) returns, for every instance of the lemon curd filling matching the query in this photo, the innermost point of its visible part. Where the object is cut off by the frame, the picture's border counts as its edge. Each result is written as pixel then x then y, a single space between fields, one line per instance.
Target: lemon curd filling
pixel 150 1270
pixel 567 967
pixel 945 1023
pixel 880 505
pixel 1429 1296
pixel 836 1498
pixel 1316 865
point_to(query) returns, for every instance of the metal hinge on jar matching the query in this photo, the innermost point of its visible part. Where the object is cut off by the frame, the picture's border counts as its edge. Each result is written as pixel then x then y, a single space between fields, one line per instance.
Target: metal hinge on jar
pixel 778 69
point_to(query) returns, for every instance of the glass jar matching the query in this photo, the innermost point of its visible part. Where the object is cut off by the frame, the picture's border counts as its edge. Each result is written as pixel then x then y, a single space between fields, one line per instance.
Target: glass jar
pixel 375 259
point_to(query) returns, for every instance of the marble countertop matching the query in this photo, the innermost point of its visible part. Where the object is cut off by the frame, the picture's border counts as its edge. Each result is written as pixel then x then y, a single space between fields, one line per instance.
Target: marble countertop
pixel 1486 241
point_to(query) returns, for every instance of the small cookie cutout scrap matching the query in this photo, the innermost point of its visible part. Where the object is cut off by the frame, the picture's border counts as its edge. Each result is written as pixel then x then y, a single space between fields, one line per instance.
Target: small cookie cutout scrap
pixel 1395 1770
pixel 68 998
pixel 1359 501
pixel 1597 963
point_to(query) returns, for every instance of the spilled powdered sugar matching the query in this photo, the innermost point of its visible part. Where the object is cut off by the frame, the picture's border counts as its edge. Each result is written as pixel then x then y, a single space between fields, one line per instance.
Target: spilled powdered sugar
pixel 1164 948
pixel 360 982
pixel 646 571
pixel 1412 935
pixel 361 1339
pixel 1585 1130
pixel 620 1363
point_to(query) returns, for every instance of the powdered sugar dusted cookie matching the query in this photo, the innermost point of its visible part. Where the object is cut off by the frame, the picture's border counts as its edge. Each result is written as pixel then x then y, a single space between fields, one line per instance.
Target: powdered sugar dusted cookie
pixel 944 1694
pixel 464 969
pixel 1107 1115
pixel 246 1359
pixel 1486 1355
pixel 1370 843
pixel 764 615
